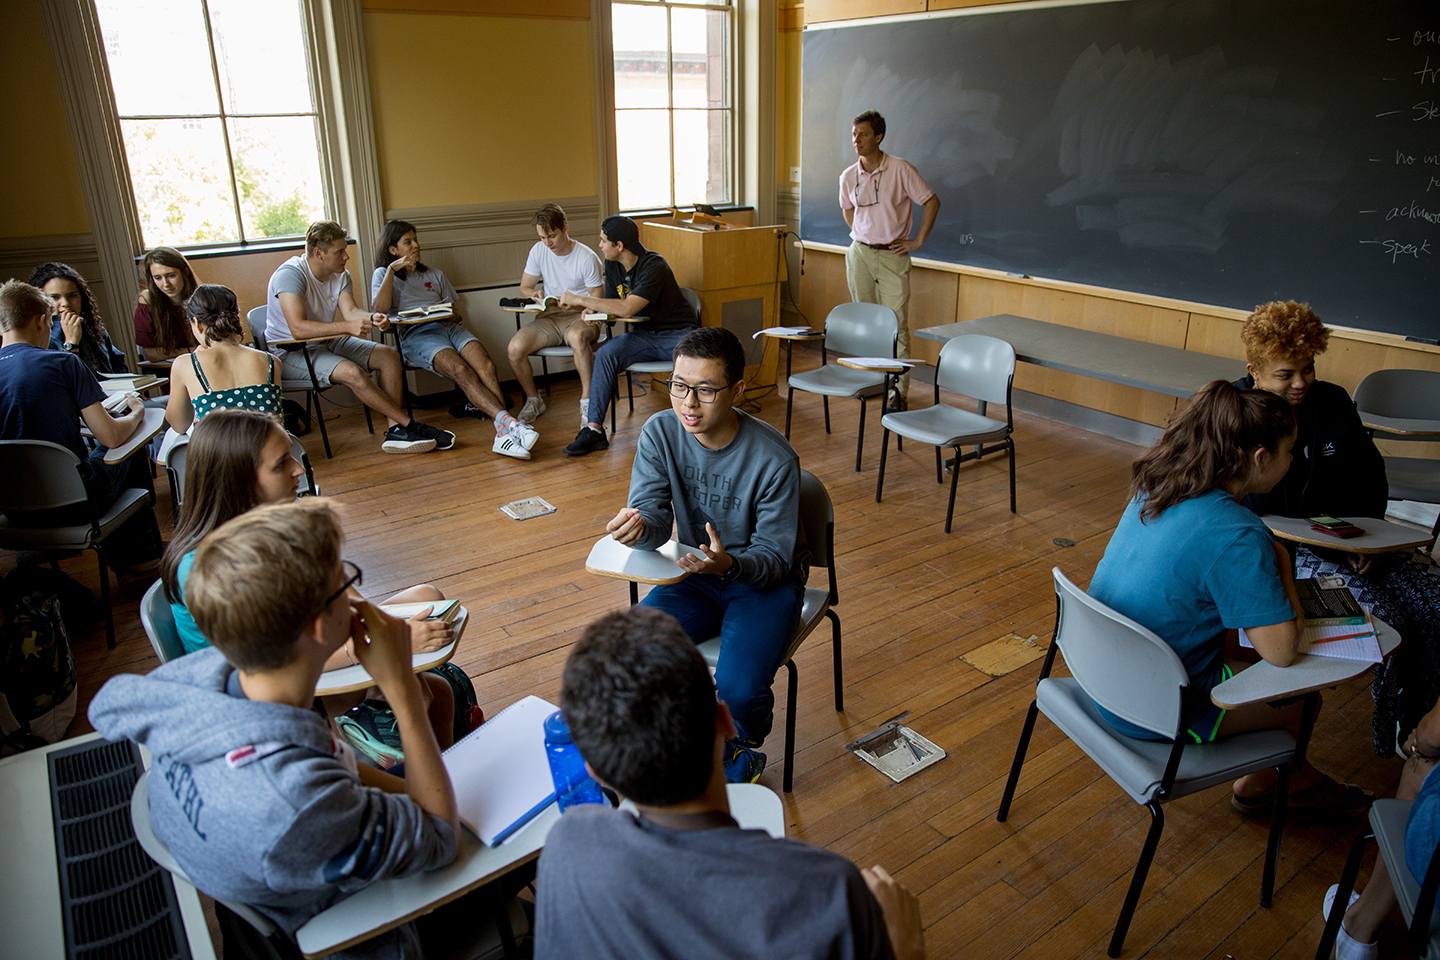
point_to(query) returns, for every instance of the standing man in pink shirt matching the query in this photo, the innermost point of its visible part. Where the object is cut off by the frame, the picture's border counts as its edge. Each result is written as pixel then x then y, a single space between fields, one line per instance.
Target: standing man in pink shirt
pixel 875 195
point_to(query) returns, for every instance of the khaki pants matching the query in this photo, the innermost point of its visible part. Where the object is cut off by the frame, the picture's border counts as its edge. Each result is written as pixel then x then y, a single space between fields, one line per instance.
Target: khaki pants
pixel 879 276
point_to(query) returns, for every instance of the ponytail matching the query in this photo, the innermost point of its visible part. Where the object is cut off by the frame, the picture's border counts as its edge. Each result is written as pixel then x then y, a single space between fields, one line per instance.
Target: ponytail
pixel 1208 444
pixel 216 310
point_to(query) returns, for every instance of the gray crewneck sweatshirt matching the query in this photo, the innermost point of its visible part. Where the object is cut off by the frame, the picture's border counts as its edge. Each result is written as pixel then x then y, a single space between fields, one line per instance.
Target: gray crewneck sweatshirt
pixel 749 490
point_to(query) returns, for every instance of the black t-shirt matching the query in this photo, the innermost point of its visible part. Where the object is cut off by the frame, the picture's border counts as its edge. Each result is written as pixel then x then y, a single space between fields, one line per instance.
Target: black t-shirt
pixel 42 393
pixel 652 279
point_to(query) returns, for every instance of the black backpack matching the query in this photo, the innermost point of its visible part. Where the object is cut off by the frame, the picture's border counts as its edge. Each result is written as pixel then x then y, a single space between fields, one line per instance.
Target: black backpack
pixel 37 669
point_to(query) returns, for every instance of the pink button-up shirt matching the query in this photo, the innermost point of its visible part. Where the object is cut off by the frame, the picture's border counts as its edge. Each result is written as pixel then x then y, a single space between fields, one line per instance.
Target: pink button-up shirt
pixel 881 199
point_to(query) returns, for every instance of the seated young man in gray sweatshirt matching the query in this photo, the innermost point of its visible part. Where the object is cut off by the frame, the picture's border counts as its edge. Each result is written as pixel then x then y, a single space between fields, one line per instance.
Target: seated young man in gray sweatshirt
pixel 253 796
pixel 731 486
pixel 681 878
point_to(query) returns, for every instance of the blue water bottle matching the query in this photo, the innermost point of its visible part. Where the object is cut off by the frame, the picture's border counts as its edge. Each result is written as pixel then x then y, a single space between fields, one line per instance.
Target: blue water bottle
pixel 567 768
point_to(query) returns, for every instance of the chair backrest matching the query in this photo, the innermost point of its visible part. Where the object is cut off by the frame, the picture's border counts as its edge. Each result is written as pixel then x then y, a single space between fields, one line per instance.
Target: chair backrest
pixel 256 319
pixel 1119 664
pixel 297 450
pixel 175 466
pixel 156 850
pixel 159 623
pixel 977 366
pixel 817 519
pixel 39 475
pixel 692 298
pixel 862 330
pixel 1401 395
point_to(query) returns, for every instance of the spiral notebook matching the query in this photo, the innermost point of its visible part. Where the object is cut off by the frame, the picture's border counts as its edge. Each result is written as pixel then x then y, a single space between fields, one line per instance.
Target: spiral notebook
pixel 500 772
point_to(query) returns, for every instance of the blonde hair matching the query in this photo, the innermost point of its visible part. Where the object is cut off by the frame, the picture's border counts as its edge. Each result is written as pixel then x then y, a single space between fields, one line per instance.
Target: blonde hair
pixel 20 303
pixel 322 233
pixel 260 578
pixel 1282 330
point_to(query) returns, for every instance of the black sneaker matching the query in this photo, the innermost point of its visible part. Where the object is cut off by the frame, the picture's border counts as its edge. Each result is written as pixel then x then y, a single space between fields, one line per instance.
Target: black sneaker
pixel 897 402
pixel 444 439
pixel 468 409
pixel 400 439
pixel 588 440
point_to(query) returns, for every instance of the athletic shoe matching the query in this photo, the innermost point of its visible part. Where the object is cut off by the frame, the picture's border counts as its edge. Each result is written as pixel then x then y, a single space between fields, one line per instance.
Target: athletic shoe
pixel 529 413
pixel 371 729
pixel 743 763
pixel 444 439
pixel 588 440
pixel 509 445
pixel 400 439
pixel 525 433
pixel 468 409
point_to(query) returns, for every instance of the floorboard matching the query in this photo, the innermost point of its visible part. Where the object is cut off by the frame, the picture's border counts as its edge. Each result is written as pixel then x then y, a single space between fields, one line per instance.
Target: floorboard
pixel 914 601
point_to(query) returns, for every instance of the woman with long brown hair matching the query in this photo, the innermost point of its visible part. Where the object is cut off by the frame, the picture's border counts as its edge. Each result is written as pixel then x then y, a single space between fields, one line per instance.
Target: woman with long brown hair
pixel 1190 563
pixel 77 326
pixel 161 327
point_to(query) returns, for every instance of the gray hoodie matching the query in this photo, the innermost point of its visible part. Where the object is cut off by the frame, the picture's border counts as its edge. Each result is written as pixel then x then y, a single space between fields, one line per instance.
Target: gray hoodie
pixel 258 803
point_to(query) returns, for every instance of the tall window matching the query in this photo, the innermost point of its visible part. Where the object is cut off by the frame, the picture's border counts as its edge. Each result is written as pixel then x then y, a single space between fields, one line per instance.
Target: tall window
pixel 218 117
pixel 674 95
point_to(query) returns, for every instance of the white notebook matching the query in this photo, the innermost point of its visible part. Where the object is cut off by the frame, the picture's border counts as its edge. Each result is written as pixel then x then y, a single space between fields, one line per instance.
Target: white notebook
pixel 500 772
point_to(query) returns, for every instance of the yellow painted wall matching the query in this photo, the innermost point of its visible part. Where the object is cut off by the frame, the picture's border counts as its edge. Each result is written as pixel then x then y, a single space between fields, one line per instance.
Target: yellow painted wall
pixel 40 190
pixel 453 96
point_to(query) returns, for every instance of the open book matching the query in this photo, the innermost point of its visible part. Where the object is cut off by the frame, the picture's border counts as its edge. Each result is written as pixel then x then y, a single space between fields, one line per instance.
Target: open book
pixel 126 382
pixel 434 310
pixel 445 610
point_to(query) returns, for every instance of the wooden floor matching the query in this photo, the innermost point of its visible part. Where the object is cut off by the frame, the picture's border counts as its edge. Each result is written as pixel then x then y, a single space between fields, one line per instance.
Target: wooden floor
pixel 915 604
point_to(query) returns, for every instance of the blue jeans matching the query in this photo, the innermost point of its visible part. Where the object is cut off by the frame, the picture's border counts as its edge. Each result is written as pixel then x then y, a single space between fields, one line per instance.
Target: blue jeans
pixel 616 354
pixel 755 626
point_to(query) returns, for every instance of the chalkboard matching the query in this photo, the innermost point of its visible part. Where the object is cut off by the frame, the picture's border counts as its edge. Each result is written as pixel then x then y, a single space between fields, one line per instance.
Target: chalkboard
pixel 1229 152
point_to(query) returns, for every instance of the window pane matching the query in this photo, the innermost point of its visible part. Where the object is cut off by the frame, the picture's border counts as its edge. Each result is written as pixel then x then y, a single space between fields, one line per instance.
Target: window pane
pixel 277 170
pixel 260 50
pixel 699 53
pixel 158 62
pixel 642 141
pixel 641 57
pixel 182 183
pixel 702 150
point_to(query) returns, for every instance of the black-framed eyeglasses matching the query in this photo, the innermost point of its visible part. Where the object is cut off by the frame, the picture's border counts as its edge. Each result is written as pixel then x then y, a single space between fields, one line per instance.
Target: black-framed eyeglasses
pixel 680 390
pixel 353 578
pixel 866 195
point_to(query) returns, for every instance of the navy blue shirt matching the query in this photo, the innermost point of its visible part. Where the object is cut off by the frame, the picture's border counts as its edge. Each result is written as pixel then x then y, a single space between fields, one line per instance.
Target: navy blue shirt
pixel 42 393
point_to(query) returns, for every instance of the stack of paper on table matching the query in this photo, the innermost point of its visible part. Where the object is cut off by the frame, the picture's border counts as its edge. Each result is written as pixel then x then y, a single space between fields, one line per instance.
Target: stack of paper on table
pixel 882 362
pixel 784 332
pixel 125 382
pixel 1345 641
pixel 500 772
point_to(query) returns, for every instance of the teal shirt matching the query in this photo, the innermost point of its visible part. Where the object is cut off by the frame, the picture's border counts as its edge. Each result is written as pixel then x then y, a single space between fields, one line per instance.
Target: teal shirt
pixel 190 636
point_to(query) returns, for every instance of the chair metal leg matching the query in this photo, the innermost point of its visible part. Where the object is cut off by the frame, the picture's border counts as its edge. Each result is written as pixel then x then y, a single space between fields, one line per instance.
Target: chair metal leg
pixel 884 447
pixel 954 482
pixel 1137 883
pixel 860 437
pixel 369 421
pixel 614 407
pixel 630 389
pixel 1342 895
pixel 835 652
pixel 1277 827
pixel 790 726
pixel 315 392
pixel 545 374
pixel 1012 474
pixel 105 598
pixel 825 402
pixel 1018 762
pixel 404 394
pixel 634 593
pixel 789 409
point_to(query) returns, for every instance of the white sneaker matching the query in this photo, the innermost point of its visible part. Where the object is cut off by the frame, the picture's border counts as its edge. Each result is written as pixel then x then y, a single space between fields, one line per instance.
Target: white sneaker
pixel 584 410
pixel 534 406
pixel 526 434
pixel 509 445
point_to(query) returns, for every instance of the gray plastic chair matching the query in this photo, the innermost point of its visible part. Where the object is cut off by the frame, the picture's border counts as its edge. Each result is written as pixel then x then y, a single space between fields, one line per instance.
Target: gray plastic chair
pixel 1405 395
pixel 860 330
pixel 1388 820
pixel 564 351
pixel 976 366
pixel 159 624
pixel 817 519
pixel 649 367
pixel 311 387
pixel 1126 668
pixel 39 475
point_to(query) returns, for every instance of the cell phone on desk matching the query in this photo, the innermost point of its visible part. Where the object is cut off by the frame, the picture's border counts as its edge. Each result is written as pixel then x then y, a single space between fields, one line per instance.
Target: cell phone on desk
pixel 1335 528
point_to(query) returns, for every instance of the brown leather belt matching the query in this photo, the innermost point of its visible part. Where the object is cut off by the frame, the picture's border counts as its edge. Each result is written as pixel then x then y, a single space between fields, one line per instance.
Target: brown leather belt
pixel 874 246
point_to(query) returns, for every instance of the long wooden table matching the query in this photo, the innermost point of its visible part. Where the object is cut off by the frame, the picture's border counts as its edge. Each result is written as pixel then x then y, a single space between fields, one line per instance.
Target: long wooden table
pixel 1134 363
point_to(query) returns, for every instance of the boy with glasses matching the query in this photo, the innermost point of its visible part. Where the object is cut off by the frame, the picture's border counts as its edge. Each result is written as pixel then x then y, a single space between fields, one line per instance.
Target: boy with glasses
pixel 731 485
pixel 255 798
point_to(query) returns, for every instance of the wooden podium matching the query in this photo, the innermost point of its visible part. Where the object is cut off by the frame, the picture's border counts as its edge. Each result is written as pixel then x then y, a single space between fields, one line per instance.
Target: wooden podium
pixel 736 270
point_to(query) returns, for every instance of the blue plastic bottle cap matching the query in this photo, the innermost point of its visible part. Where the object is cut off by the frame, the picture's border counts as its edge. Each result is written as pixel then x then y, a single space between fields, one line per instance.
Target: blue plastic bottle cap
pixel 556 729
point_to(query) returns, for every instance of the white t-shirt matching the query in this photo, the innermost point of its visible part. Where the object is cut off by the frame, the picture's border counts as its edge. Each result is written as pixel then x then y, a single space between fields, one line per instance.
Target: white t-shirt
pixel 321 299
pixel 577 272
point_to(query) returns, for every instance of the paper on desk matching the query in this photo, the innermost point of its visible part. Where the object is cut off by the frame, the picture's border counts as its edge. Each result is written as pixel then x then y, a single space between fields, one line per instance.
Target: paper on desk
pixel 500 772
pixel 879 362
pixel 1344 642
pixel 782 332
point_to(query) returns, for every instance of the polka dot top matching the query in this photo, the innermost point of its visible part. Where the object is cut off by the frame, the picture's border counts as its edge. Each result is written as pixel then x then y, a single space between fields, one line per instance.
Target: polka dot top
pixel 262 397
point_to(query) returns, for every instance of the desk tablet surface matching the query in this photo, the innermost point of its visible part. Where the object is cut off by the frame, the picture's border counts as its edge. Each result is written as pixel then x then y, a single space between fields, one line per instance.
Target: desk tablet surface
pixel 153 423
pixel 619 562
pixel 1380 536
pixel 355 677
pixel 1262 682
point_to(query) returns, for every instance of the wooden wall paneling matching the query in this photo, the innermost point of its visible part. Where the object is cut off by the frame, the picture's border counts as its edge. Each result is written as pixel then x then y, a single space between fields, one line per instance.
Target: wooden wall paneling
pixel 817 11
